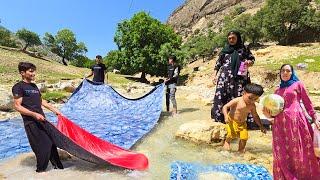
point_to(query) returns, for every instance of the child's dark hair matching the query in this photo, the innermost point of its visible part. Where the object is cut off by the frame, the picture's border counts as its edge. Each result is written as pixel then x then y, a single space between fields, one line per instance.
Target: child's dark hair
pixel 99 57
pixel 254 89
pixel 25 66
pixel 173 58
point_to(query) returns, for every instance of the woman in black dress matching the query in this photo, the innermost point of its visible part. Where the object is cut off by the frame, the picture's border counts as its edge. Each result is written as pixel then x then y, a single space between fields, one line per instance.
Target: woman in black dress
pixel 230 82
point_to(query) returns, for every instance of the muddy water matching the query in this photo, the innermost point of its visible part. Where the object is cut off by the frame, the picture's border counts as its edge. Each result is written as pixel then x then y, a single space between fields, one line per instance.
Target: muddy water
pixel 161 147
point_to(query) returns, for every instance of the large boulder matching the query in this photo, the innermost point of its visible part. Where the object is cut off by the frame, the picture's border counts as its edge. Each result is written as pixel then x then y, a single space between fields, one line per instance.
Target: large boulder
pixel 6 100
pixel 69 86
pixel 202 131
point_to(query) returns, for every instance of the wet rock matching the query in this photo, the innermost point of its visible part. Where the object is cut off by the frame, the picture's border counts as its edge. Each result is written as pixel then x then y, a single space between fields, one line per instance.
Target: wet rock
pixel 202 131
pixel 68 86
pixel 6 100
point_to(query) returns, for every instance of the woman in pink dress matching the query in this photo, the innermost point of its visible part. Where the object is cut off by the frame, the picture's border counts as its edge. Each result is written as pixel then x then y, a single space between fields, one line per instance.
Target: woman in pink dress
pixel 293 152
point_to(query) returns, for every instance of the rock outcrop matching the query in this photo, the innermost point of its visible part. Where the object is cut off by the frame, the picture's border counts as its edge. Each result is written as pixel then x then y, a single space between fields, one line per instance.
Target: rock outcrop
pixel 202 131
pixel 202 15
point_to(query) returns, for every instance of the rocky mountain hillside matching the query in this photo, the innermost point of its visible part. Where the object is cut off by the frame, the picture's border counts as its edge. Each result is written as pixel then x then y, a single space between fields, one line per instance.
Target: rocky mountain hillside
pixel 195 15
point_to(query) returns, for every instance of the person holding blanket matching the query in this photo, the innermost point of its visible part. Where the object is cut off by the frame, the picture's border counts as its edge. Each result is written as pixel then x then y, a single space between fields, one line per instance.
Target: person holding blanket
pixel 27 100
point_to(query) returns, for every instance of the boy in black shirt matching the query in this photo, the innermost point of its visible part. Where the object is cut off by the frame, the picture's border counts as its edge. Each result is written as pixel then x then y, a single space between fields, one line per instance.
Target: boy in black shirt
pixel 171 83
pixel 98 71
pixel 28 101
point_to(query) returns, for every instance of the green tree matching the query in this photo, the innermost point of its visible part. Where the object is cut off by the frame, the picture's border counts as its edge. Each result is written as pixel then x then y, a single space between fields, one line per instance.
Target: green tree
pixel 290 21
pixel 30 38
pixel 114 60
pixel 202 45
pixel 140 40
pixel 6 38
pixel 65 44
pixel 250 27
pixel 82 61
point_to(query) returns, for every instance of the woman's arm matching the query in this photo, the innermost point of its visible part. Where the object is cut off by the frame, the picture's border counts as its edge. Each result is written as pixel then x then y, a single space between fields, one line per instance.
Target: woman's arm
pixel 302 92
pixel 249 57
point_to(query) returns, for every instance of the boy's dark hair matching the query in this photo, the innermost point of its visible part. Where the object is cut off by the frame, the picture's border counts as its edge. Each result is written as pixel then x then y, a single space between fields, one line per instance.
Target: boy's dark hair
pixel 25 66
pixel 254 89
pixel 99 57
pixel 173 58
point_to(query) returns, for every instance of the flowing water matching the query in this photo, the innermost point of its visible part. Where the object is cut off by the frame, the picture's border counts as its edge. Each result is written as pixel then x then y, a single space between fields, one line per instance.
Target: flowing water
pixel 160 146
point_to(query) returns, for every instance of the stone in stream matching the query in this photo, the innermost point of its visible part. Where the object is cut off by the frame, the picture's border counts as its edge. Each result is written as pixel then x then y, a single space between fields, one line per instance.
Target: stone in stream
pixel 202 131
pixel 6 100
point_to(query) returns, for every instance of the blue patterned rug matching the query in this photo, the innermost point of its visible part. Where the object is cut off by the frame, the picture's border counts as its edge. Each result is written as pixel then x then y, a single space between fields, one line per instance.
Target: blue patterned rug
pixel 100 110
pixel 191 171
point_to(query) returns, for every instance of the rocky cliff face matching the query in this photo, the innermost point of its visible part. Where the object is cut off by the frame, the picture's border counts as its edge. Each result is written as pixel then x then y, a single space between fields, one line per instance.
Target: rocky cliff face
pixel 195 15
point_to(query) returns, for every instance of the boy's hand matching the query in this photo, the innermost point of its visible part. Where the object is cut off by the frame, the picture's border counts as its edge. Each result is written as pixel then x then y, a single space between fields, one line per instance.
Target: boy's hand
pixel 39 117
pixel 58 113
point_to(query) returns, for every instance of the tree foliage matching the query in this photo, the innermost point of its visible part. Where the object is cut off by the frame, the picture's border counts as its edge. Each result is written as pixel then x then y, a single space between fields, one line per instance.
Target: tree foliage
pixel 30 38
pixel 291 21
pixel 65 44
pixel 139 41
pixel 6 38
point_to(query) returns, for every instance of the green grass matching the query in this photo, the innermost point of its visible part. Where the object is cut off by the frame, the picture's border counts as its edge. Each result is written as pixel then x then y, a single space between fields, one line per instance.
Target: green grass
pixel 55 96
pixel 312 67
pixel 117 79
pixel 54 78
pixel 5 69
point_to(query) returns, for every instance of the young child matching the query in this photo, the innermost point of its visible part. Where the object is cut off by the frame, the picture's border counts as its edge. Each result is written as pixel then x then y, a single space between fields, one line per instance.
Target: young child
pixel 236 113
pixel 28 101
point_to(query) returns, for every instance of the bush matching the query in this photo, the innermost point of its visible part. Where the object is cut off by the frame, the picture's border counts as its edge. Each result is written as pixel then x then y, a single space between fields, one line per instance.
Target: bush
pixel 238 10
pixel 6 38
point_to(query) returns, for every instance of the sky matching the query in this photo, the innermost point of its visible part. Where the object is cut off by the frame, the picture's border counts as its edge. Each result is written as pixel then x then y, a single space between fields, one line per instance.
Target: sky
pixel 93 21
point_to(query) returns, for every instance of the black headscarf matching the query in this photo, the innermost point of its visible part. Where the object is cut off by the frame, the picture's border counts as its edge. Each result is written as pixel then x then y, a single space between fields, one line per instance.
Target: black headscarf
pixel 233 50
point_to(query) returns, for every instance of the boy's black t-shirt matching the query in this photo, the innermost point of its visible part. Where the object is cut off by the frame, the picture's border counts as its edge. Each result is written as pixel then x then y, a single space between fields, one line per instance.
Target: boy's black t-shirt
pixel 98 72
pixel 31 98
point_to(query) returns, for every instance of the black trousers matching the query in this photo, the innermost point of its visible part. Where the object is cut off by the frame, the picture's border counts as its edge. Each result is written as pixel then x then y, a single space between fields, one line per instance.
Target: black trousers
pixel 42 146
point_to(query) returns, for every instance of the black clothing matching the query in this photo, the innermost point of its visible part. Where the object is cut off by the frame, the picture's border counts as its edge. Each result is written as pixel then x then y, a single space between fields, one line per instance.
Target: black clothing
pixel 98 72
pixel 39 140
pixel 31 98
pixel 228 85
pixel 171 71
